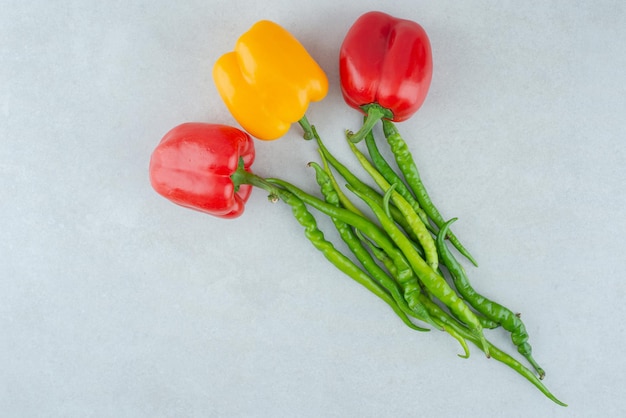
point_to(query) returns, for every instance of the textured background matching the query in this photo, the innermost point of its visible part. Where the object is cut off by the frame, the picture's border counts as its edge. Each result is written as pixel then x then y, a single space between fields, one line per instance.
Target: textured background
pixel 115 302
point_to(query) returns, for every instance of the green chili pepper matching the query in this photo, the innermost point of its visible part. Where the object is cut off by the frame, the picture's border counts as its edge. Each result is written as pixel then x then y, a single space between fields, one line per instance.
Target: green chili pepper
pixel 429 277
pixel 346 233
pixel 316 236
pixel 407 166
pixel 495 352
pixel 390 175
pixel 339 260
pixel 367 227
pixel 492 310
pixel 415 223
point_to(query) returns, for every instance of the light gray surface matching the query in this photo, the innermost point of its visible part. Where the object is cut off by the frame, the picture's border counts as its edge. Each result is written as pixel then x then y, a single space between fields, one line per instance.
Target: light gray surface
pixel 115 302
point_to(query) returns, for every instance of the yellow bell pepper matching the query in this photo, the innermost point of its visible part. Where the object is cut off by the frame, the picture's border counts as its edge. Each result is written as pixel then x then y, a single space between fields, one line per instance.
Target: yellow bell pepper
pixel 268 81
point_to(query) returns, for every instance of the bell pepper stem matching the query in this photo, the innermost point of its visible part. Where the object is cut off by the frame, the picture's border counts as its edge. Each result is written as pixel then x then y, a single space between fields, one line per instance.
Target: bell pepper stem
pixel 242 176
pixel 307 128
pixel 373 113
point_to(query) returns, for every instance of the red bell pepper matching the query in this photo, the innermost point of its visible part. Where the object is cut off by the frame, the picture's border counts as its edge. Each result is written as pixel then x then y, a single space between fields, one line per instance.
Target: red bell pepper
pixel 193 163
pixel 385 66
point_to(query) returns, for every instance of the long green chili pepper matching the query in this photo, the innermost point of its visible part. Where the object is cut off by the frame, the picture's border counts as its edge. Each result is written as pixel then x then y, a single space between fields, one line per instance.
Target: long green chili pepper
pixel 316 236
pixel 435 283
pixel 409 303
pixel 407 166
pixel 392 177
pixel 343 263
pixel 497 354
pixel 415 223
pixel 405 275
pixel 405 272
pixel 492 310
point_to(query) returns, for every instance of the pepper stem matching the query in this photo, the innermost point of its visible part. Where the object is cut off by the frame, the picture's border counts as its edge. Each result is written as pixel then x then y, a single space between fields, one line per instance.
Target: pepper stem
pixel 242 176
pixel 307 128
pixel 374 112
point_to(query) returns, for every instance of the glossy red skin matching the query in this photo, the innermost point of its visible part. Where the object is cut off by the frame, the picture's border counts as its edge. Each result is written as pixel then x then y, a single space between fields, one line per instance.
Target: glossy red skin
pixel 192 165
pixel 388 61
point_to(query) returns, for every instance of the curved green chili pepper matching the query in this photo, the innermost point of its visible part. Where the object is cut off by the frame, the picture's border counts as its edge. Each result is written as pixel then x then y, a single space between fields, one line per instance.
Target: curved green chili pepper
pixel 405 275
pixel 343 263
pixel 415 223
pixel 407 166
pixel 496 353
pixel 316 237
pixel 405 272
pixel 429 277
pixel 492 310
pixel 417 310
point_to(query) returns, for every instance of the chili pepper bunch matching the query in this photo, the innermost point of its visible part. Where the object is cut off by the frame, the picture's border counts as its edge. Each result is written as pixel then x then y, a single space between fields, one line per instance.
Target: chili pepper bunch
pixel 400 248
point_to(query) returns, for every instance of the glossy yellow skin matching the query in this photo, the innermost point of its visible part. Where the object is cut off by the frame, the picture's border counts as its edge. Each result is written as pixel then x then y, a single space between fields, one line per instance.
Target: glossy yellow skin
pixel 268 81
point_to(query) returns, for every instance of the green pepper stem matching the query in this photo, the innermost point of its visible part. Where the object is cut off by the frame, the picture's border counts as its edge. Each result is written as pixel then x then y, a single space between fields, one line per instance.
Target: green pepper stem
pixel 307 128
pixel 374 113
pixel 242 176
